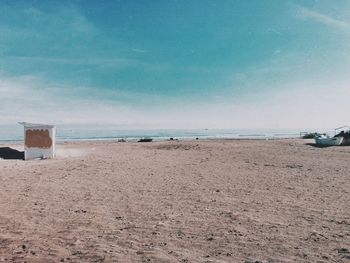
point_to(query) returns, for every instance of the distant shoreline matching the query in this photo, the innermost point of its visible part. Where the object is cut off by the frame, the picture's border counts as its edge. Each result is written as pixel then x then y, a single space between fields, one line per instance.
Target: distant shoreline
pixel 135 140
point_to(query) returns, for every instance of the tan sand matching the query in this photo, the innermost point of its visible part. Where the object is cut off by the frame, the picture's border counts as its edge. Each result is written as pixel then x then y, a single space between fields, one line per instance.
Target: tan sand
pixel 200 201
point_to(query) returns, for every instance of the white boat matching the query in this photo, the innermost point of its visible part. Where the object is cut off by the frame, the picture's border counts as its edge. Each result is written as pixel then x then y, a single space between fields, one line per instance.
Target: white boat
pixel 328 141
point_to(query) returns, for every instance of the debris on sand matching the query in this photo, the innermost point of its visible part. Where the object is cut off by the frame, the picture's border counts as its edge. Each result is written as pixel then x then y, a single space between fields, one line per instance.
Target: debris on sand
pixel 145 140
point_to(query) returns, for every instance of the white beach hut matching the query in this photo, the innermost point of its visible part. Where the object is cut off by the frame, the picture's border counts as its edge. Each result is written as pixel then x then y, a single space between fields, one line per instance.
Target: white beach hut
pixel 39 140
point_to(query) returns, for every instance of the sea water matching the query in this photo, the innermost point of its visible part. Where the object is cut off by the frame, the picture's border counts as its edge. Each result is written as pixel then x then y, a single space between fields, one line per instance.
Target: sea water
pixel 87 132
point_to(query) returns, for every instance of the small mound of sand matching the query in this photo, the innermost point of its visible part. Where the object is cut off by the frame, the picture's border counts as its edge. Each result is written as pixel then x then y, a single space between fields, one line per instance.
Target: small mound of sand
pixel 183 147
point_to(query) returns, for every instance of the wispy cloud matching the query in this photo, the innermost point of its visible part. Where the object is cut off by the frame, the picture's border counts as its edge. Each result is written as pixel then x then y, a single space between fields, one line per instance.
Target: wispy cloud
pixel 62 16
pixel 59 22
pixel 99 61
pixel 32 98
pixel 63 35
pixel 328 20
pixel 25 99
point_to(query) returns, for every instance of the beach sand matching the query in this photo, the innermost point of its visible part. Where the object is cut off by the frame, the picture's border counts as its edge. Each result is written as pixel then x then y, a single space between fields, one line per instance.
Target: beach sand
pixel 178 201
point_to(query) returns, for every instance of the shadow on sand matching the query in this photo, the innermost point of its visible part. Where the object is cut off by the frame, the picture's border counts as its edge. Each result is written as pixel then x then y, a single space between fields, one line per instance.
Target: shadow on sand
pixel 323 146
pixel 11 154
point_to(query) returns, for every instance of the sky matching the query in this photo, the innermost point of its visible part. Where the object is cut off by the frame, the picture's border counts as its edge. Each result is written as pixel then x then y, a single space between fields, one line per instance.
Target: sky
pixel 176 64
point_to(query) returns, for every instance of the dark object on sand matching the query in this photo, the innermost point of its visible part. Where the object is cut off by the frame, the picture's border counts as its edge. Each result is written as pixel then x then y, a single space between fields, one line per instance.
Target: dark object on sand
pixel 309 135
pixel 121 140
pixel 11 154
pixel 197 138
pixel 345 134
pixel 145 140
pixel 171 139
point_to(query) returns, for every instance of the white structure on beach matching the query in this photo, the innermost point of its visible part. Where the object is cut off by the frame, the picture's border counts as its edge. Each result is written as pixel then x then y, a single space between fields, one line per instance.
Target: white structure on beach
pixel 39 140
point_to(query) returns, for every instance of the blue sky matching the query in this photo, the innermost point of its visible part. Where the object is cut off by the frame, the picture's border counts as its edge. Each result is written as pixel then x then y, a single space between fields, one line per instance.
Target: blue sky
pixel 176 64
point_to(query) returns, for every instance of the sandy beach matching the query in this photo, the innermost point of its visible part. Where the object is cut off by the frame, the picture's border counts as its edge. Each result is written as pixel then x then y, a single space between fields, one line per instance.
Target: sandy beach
pixel 178 201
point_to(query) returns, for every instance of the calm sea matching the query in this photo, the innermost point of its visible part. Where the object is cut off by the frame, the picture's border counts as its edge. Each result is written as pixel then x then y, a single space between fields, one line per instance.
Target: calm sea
pixel 67 133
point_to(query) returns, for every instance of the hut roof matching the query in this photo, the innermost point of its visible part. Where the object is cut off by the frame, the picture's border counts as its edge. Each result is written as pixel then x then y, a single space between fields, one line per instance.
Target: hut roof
pixel 37 125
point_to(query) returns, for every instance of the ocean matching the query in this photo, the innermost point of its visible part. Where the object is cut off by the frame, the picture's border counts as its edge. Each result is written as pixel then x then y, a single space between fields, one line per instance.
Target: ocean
pixel 14 133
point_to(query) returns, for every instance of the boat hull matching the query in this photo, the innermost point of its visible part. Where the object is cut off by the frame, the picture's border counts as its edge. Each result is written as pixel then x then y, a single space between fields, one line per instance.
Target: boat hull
pixel 334 141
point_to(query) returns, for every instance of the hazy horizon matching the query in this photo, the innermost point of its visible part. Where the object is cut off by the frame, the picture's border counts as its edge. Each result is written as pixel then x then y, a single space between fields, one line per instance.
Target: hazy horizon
pixel 13 132
pixel 176 64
